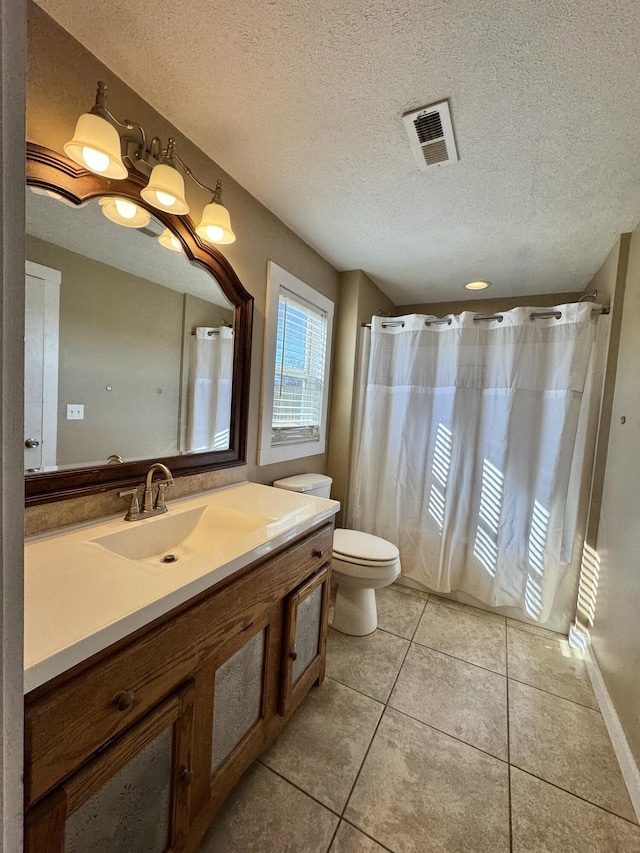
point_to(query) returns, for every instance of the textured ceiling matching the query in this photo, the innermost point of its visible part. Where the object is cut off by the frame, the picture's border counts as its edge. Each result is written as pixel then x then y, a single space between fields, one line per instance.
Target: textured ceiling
pixel 301 101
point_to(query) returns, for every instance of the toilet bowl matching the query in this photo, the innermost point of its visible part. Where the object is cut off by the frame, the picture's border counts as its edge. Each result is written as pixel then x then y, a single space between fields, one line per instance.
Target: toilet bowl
pixel 362 563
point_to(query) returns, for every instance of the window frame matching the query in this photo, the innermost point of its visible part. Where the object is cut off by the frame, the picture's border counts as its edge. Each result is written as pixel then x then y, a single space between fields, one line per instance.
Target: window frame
pixel 278 278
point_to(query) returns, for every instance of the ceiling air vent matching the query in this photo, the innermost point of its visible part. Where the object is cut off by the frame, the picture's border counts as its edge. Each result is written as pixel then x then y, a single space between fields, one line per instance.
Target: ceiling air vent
pixel 431 135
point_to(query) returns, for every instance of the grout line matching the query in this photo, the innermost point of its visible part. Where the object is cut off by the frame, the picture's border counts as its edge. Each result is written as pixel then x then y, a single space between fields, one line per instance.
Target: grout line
pixel 557 695
pixel 357 690
pixel 488 615
pixel 386 705
pixel 455 657
pixel 447 734
pixel 577 796
pixel 298 788
pixel 333 837
pixel 411 717
pixel 370 837
pixel 534 629
pixel 506 650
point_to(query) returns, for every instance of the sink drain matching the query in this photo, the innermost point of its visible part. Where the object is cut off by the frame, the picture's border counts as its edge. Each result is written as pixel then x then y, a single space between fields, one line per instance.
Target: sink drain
pixel 169 558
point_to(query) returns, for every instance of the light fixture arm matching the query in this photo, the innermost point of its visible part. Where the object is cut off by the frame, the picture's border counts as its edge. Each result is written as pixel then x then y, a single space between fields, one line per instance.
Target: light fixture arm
pixel 101 109
pixel 216 193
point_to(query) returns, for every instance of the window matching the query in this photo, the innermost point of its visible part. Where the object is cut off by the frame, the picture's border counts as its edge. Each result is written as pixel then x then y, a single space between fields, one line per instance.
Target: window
pixel 296 369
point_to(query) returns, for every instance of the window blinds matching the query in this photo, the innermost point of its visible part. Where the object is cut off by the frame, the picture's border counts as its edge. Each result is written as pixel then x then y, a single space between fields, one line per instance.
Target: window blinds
pixel 299 374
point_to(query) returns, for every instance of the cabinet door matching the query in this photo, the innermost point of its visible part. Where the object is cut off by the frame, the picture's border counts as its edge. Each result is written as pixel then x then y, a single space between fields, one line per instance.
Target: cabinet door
pixel 305 637
pixel 132 798
pixel 236 695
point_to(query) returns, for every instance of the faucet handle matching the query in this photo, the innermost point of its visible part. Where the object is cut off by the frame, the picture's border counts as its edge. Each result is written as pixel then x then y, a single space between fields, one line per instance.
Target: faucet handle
pixel 159 504
pixel 133 513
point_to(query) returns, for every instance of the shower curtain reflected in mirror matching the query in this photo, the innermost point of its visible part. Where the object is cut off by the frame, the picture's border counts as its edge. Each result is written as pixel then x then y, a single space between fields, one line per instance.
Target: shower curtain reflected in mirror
pixel 210 378
pixel 466 449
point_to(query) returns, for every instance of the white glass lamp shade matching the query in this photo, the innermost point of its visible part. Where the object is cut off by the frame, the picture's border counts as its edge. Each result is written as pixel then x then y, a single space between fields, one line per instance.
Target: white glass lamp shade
pixel 215 225
pixel 96 146
pixel 124 212
pixel 170 241
pixel 165 190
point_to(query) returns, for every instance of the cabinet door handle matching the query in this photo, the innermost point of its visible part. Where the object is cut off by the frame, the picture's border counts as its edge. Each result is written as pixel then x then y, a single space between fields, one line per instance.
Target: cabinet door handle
pixel 186 775
pixel 293 655
pixel 124 700
pixel 317 552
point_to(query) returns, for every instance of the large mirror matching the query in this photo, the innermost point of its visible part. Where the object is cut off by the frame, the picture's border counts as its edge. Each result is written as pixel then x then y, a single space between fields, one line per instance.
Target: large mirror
pixel 136 337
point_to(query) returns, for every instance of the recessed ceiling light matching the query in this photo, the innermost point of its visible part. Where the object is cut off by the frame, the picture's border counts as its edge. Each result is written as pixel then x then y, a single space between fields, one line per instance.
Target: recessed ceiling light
pixel 478 285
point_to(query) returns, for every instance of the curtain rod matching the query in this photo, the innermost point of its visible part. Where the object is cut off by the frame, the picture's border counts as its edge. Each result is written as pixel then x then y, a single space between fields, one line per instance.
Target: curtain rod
pixel 479 318
pixel 215 331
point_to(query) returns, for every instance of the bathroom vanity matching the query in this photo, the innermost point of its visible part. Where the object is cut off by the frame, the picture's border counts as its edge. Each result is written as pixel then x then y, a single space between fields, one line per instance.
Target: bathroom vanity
pixel 153 685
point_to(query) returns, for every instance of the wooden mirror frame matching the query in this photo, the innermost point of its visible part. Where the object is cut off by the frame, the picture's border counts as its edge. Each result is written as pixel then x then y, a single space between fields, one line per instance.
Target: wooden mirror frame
pixel 52 171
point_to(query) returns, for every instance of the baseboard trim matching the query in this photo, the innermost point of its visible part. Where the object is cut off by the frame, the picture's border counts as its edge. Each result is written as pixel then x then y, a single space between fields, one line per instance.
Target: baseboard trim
pixel 628 766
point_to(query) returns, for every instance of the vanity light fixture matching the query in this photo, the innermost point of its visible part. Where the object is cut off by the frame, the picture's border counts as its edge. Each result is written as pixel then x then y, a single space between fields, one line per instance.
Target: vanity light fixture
pixel 215 225
pixel 106 146
pixel 478 285
pixel 124 212
pixel 54 195
pixel 169 241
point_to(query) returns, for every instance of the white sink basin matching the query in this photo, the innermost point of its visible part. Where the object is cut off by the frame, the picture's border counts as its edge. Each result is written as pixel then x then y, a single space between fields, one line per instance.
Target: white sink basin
pixel 180 536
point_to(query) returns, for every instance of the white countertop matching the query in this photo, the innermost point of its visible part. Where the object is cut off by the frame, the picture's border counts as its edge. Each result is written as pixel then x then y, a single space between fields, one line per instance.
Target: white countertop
pixel 81 598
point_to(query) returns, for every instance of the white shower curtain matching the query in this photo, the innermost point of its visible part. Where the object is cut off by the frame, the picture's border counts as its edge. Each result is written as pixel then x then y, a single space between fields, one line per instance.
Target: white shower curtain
pixel 465 449
pixel 210 375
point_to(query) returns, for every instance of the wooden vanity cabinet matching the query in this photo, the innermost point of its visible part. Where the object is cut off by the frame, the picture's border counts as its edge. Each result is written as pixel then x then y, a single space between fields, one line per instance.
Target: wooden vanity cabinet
pixel 231 665
pixel 145 772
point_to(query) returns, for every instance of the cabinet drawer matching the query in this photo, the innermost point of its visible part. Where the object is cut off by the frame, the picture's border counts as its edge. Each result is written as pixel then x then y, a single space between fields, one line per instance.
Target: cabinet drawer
pixel 65 726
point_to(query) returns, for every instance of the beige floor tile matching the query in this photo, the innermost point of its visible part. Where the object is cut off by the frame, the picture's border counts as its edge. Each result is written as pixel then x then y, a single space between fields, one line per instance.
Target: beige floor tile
pixel 350 840
pixel 421 790
pixel 369 664
pixel 566 744
pixel 324 744
pixel 550 664
pixel 463 635
pixel 398 613
pixel 264 813
pixel 454 696
pixel 467 608
pixel 409 590
pixel 548 820
pixel 535 629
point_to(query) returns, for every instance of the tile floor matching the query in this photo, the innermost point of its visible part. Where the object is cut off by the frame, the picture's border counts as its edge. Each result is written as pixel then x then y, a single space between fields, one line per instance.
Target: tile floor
pixel 449 729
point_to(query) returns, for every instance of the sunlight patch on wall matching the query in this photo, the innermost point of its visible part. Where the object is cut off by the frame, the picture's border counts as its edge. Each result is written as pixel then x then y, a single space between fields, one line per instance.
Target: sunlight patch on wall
pixel 588 584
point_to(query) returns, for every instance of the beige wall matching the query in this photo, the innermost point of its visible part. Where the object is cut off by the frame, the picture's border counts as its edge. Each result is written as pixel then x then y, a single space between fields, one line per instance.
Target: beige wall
pixel 61 85
pixel 481 305
pixel 616 631
pixel 359 300
pixel 116 330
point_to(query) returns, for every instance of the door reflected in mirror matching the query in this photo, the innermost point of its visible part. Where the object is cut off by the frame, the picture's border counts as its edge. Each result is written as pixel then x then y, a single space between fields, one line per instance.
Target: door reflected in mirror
pixel 129 345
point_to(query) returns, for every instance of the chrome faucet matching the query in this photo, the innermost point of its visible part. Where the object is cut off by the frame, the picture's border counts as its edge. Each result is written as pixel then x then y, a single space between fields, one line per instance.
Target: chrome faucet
pixel 149 506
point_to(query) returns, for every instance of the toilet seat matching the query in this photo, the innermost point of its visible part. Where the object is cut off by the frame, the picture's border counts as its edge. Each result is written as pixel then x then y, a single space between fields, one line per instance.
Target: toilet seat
pixel 364 549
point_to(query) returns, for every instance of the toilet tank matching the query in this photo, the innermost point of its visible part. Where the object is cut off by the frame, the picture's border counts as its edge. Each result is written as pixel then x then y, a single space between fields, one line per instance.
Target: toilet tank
pixel 318 485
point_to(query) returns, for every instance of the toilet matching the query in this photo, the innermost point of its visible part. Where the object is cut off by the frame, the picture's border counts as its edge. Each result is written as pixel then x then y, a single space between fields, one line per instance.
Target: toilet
pixel 362 563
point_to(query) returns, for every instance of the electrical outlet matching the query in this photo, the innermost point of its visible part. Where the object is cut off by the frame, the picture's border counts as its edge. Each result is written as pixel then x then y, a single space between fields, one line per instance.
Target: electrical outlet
pixel 75 412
